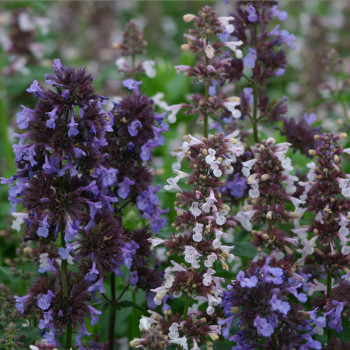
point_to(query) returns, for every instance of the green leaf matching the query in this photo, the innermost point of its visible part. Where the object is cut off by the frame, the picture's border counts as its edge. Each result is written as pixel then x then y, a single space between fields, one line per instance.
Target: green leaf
pixel 127 303
pixel 245 249
pixel 31 334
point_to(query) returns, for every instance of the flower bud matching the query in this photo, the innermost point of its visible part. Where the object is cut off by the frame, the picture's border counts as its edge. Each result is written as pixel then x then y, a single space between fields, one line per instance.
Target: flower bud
pixel 269 215
pixel 213 336
pixel 343 135
pixel 312 152
pixel 188 17
pixel 265 177
pixel 185 47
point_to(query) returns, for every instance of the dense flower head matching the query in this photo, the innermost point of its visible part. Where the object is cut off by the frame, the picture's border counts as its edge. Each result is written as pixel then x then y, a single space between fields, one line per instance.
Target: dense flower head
pixel 63 132
pixel 209 69
pixel 55 310
pixel 158 332
pixel 236 185
pixel 300 134
pixel 324 248
pixel 262 56
pixel 337 305
pixel 144 276
pixel 327 195
pixel 262 309
pixel 202 219
pixel 132 45
pixel 100 247
pixel 135 129
pixel 133 42
pixel 271 188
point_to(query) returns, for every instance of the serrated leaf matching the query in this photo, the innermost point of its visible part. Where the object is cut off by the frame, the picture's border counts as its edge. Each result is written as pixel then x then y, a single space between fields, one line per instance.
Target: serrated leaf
pixel 31 334
pixel 245 249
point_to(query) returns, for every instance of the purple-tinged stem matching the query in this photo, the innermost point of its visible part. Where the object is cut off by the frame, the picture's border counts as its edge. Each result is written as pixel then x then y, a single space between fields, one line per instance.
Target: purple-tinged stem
pixel 112 314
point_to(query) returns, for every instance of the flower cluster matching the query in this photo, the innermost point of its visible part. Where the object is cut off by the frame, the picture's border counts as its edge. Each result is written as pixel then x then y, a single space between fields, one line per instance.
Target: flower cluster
pixel 134 129
pixel 20 43
pixel 62 143
pixel 300 134
pixel 327 196
pixel 203 40
pixel 202 218
pixel 262 309
pixel 262 53
pixel 132 45
pixel 271 188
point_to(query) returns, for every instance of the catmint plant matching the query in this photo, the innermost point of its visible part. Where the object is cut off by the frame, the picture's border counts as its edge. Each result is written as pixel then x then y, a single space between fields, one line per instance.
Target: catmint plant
pixel 135 129
pixel 263 309
pixel 209 69
pixel 262 58
pixel 271 189
pixel 201 222
pixel 54 157
pixel 325 255
pixel 132 45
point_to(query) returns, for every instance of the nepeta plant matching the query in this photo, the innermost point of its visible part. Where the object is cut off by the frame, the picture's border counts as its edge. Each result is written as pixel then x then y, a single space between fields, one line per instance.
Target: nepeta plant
pixel 131 46
pixel 54 184
pixel 209 68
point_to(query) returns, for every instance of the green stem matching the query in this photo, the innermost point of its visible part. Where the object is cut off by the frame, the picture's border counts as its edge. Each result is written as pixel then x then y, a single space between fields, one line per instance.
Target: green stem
pixel 133 63
pixel 256 95
pixel 206 96
pixel 255 113
pixel 69 336
pixel 329 283
pixel 329 290
pixel 345 110
pixel 63 264
pixel 21 285
pixel 186 307
pixel 112 314
pixel 342 102
pixel 6 145
pixel 65 285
